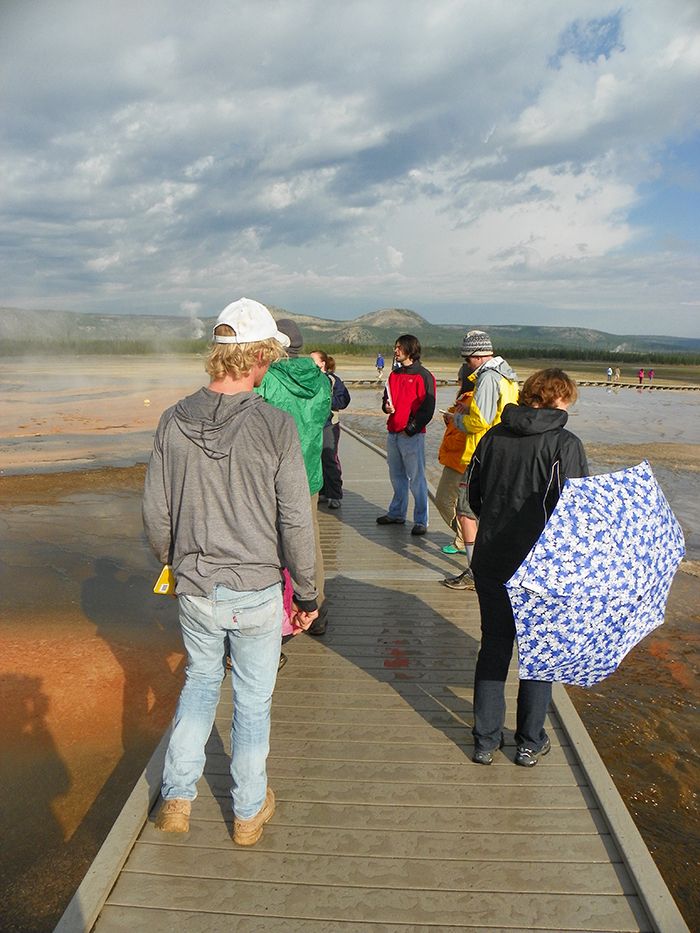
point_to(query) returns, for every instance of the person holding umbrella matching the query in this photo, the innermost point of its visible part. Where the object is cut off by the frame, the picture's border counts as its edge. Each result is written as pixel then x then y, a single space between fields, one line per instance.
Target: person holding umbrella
pixel 512 485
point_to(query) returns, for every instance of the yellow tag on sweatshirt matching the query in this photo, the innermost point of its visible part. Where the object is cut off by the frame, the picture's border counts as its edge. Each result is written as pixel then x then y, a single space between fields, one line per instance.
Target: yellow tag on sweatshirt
pixel 165 584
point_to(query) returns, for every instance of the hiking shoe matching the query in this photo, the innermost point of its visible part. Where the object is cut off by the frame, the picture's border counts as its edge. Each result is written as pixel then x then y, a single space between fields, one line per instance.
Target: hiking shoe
pixel 389 520
pixel 334 503
pixel 419 529
pixel 451 549
pixel 484 756
pixel 247 832
pixel 528 758
pixel 174 816
pixel 318 626
pixel 463 581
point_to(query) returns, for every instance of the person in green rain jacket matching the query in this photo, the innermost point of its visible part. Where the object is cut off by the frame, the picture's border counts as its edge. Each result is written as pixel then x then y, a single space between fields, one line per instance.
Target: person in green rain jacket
pixel 298 386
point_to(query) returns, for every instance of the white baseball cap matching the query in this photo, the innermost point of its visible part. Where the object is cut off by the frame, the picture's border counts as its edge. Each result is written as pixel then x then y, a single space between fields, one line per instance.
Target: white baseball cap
pixel 251 321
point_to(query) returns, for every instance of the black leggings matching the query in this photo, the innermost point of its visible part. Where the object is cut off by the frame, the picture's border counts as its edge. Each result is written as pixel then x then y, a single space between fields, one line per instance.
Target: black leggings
pixel 332 475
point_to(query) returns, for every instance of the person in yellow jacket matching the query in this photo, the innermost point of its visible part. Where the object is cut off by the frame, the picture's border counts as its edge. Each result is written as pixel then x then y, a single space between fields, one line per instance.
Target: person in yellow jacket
pixel 495 384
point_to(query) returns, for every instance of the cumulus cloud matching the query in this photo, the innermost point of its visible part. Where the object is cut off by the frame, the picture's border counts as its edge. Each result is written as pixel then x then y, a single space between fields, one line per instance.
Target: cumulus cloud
pixel 321 153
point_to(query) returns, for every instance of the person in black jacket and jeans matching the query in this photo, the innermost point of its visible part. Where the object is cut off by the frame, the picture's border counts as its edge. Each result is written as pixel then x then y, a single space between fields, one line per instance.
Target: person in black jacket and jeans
pixel 513 483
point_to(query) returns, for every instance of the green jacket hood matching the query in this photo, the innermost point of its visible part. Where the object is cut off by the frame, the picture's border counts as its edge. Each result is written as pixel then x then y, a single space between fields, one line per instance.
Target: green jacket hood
pixel 299 377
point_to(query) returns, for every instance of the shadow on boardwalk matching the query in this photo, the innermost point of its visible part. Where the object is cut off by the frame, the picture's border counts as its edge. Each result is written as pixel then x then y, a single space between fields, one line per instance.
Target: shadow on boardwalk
pixel 381 635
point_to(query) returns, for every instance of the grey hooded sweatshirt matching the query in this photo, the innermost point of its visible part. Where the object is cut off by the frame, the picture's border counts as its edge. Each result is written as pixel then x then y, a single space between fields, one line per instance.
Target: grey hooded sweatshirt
pixel 222 501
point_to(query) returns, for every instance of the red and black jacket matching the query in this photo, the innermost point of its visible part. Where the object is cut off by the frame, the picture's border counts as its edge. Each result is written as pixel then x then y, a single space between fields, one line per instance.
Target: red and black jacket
pixel 412 390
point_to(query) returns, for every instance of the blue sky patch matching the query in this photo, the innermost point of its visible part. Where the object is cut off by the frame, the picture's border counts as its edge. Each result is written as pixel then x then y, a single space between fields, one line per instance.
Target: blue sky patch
pixel 588 39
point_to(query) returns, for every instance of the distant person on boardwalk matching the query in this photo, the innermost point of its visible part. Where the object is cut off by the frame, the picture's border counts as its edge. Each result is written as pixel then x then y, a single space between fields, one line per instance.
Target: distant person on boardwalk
pixel 640 375
pixel 514 481
pixel 298 386
pixel 332 489
pixel 609 373
pixel 221 505
pixel 495 384
pixel 651 375
pixel 379 363
pixel 617 374
pixel 409 401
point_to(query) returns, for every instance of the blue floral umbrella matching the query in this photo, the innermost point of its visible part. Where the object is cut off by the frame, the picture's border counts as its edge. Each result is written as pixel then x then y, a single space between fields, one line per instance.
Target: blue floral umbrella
pixel 597 580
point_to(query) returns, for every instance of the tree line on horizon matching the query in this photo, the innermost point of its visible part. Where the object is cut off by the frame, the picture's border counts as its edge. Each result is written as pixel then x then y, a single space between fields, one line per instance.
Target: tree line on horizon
pixel 78 347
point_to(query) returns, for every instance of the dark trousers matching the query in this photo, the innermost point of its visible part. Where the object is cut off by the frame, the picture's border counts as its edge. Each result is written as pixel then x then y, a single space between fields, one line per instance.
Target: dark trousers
pixel 497 637
pixel 332 475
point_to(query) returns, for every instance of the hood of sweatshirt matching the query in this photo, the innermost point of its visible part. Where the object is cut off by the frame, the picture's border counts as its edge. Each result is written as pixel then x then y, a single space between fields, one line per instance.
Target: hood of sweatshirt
pixel 522 420
pixel 300 377
pixel 211 419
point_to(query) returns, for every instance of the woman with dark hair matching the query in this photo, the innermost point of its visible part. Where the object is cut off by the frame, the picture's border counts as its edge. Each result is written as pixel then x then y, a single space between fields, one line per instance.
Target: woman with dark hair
pixel 332 489
pixel 514 481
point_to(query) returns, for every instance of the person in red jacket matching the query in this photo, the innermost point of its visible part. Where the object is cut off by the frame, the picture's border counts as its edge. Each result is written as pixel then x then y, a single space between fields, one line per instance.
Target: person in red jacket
pixel 409 400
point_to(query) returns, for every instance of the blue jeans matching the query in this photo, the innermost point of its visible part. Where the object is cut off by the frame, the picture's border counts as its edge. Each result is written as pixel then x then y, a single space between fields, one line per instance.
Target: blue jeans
pixel 497 637
pixel 406 456
pixel 250 625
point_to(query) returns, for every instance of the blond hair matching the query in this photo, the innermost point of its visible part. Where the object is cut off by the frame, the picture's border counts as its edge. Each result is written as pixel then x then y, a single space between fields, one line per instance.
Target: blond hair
pixel 237 359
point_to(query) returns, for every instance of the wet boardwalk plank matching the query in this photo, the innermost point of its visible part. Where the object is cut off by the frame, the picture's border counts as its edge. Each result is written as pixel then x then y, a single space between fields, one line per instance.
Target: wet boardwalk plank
pixel 383 823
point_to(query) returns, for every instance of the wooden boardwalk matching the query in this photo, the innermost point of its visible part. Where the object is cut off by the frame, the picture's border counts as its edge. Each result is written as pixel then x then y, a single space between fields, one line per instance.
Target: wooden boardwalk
pixel 383 823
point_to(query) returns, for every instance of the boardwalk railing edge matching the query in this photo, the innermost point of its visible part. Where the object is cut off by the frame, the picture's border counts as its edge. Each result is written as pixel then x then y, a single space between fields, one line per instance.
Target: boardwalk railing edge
pixel 651 887
pixel 84 907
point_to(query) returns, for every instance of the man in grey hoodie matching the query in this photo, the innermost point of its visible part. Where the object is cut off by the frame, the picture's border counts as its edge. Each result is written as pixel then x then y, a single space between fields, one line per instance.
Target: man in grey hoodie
pixel 222 507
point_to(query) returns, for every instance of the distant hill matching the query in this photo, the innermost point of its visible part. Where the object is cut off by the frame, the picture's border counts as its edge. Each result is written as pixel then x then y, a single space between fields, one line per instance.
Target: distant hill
pixel 377 329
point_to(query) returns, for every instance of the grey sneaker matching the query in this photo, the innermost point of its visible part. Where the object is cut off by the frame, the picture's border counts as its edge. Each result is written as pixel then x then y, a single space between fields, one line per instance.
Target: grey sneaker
pixel 528 758
pixel 484 756
pixel 334 503
pixel 463 581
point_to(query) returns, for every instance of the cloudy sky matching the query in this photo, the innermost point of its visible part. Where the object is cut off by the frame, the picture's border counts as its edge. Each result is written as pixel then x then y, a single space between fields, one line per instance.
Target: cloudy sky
pixel 500 161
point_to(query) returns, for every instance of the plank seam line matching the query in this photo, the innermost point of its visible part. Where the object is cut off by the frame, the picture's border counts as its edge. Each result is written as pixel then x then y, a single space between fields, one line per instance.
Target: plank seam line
pixel 384 782
pixel 379 887
pixel 386 924
pixel 437 762
pixel 414 806
pixel 331 827
pixel 399 761
pixel 263 853
pixel 405 744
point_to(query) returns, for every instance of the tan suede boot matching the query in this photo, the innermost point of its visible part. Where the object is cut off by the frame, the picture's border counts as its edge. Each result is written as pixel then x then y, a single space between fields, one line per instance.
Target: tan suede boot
pixel 247 832
pixel 174 816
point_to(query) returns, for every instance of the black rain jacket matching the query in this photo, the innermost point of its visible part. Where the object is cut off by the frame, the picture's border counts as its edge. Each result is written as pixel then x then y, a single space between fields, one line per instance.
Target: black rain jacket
pixel 514 481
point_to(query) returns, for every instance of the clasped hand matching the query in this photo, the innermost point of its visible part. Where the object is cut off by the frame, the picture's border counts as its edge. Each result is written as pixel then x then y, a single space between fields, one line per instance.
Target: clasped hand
pixel 302 620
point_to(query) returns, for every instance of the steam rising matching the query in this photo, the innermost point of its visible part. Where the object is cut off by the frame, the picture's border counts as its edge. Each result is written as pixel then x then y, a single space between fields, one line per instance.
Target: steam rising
pixel 191 308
